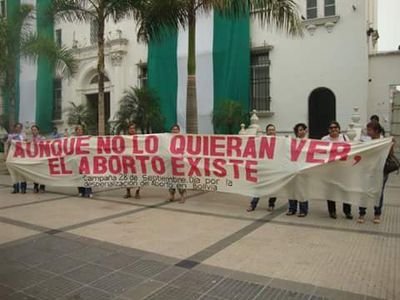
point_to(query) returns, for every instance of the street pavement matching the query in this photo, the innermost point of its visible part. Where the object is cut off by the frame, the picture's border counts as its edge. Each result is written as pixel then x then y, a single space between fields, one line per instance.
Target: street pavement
pixel 58 246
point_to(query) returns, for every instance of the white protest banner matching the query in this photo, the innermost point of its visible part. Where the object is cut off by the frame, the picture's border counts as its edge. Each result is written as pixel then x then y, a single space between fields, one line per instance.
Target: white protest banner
pixel 247 165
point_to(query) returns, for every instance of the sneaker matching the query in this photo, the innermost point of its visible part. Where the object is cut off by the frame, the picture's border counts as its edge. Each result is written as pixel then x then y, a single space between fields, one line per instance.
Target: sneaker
pixel 270 209
pixel 377 220
pixel 290 213
pixel 302 215
pixel 333 215
pixel 361 220
pixel 80 195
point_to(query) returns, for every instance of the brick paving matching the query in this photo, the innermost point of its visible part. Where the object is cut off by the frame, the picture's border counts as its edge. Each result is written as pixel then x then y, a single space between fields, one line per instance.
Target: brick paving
pixel 208 248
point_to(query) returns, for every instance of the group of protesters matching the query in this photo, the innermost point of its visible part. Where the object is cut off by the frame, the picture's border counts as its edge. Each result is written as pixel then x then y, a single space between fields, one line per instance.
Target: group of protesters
pixel 21 187
pixel 300 208
pixel 374 131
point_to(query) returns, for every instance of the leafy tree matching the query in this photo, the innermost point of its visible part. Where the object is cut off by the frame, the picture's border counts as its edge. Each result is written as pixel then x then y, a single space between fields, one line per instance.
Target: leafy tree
pixel 228 116
pixel 140 106
pixel 18 41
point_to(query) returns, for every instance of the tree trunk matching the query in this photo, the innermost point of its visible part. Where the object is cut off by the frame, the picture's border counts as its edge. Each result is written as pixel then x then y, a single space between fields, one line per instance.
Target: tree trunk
pixel 11 95
pixel 191 100
pixel 100 69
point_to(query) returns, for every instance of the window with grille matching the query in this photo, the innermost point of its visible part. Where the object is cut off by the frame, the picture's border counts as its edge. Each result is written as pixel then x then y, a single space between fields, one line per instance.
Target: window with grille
pixel 57 106
pixel 330 8
pixel 3 10
pixel 143 75
pixel 260 81
pixel 59 38
pixel 312 9
pixel 94 30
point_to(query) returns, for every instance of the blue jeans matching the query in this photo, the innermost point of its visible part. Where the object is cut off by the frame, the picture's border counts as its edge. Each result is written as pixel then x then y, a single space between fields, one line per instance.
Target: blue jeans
pixel 378 209
pixel 255 200
pixel 303 206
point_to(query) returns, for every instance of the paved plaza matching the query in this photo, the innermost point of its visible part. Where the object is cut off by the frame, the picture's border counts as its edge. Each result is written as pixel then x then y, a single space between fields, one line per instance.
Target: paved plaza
pixel 58 246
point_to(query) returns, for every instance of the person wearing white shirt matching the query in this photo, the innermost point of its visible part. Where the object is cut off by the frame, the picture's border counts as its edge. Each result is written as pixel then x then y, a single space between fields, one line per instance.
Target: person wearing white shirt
pixel 336 136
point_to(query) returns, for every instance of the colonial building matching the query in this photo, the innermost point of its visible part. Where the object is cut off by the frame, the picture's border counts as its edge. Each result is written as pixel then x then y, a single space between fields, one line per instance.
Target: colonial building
pixel 315 78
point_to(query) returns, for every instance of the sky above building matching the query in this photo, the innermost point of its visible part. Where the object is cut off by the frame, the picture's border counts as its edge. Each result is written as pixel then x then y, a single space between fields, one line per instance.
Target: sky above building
pixel 389 24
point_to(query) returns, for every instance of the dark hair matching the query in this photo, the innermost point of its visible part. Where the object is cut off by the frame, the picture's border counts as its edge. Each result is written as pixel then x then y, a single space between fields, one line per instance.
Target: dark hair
pixel 375 126
pixel 18 124
pixel 297 127
pixel 78 126
pixel 374 118
pixel 177 126
pixel 55 128
pixel 35 126
pixel 334 123
pixel 268 126
pixel 131 124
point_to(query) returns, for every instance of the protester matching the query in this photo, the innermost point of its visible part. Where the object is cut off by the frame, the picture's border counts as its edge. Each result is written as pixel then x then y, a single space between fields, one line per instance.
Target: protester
pixel 54 134
pixel 336 136
pixel 66 133
pixel 374 131
pixel 17 135
pixel 375 118
pixel 83 191
pixel 271 131
pixel 175 129
pixel 36 138
pixel 132 131
pixel 300 131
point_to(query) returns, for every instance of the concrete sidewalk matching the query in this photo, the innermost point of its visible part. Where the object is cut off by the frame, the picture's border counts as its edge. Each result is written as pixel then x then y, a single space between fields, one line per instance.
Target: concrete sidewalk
pixel 57 246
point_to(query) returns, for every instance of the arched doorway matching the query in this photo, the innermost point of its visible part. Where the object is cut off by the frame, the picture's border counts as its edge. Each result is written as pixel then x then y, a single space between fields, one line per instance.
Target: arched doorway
pixel 321 111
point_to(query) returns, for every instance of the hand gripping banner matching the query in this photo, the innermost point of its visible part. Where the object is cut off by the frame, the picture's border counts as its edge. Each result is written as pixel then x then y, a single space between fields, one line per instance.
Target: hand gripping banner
pixel 252 166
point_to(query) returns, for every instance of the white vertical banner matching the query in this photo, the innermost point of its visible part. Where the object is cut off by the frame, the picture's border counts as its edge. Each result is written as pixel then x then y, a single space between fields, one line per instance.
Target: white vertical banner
pixel 182 54
pixel 205 71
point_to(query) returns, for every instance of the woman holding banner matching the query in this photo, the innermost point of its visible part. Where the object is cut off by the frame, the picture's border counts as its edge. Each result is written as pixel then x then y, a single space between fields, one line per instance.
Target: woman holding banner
pixel 271 131
pixel 83 191
pixel 300 131
pixel 36 138
pixel 17 135
pixel 132 131
pixel 176 129
pixel 374 132
pixel 336 136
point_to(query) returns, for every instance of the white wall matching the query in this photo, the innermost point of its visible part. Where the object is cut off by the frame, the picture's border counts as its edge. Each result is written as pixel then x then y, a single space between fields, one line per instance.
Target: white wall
pixel 336 60
pixel 389 25
pixel 384 74
pixel 121 77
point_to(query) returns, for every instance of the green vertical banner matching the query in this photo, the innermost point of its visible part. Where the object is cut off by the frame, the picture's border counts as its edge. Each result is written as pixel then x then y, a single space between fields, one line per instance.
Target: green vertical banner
pixel 231 55
pixel 163 74
pixel 44 83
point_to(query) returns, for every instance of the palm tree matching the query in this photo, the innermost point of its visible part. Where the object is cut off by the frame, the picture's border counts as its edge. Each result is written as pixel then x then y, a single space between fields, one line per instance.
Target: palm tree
pixel 140 106
pixel 80 114
pixel 228 116
pixel 17 40
pixel 283 14
pixel 100 11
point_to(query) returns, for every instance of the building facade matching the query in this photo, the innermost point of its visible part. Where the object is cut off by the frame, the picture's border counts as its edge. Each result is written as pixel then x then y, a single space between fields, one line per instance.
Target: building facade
pixel 316 78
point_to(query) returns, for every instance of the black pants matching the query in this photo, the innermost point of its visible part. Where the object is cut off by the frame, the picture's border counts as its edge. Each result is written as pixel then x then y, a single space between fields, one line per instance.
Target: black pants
pixel 271 202
pixel 39 187
pixel 332 207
